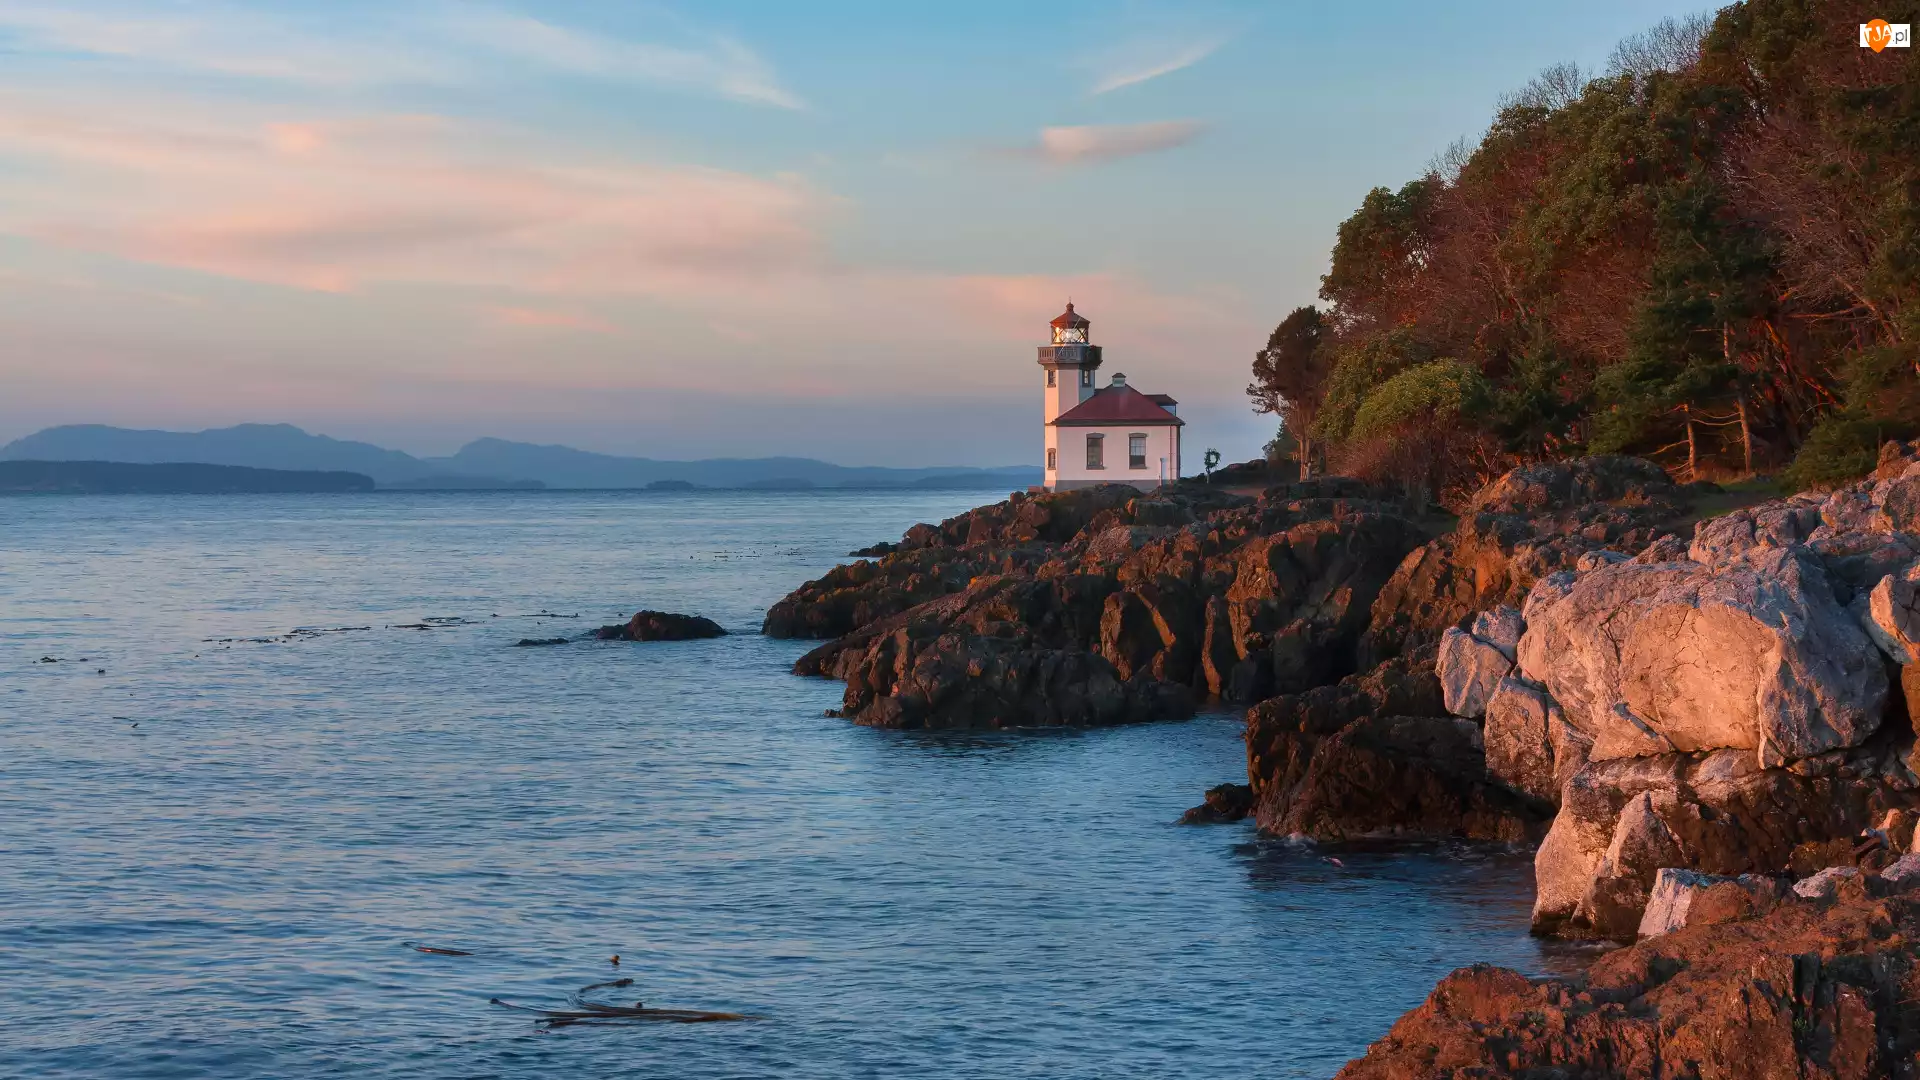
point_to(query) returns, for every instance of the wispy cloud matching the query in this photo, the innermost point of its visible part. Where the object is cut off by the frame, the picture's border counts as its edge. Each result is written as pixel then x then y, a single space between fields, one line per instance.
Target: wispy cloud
pixel 1094 143
pixel 711 63
pixel 445 44
pixel 338 203
pixel 1134 64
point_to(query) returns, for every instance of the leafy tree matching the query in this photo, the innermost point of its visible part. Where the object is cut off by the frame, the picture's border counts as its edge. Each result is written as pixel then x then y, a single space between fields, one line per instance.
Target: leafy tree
pixel 1709 255
pixel 1289 375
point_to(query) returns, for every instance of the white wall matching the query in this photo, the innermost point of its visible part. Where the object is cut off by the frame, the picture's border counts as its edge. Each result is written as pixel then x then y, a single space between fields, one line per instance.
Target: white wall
pixel 1163 442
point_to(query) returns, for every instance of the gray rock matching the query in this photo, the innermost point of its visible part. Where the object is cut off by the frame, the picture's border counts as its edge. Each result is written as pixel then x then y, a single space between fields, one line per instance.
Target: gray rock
pixel 1905 871
pixel 1900 506
pixel 1777 524
pixel 1469 670
pixel 1892 616
pixel 1642 844
pixel 1545 593
pixel 1519 748
pixel 1668 548
pixel 1821 886
pixel 1501 628
pixel 1722 813
pixel 1594 560
pixel 1751 653
pixel 1674 901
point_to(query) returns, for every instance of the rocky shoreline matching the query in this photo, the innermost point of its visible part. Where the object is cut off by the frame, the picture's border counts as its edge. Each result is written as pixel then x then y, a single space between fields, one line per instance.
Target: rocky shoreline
pixel 1638 676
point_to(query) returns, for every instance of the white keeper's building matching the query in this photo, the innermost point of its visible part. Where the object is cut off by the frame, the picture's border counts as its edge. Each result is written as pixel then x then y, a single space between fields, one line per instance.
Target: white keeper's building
pixel 1110 435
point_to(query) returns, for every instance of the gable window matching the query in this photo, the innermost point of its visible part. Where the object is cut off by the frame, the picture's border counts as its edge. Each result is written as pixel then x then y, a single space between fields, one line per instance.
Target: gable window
pixel 1051 464
pixel 1050 377
pixel 1136 451
pixel 1086 376
pixel 1096 452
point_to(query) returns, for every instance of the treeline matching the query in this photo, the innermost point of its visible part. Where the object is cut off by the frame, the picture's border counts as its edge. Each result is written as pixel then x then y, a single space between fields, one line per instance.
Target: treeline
pixel 1708 255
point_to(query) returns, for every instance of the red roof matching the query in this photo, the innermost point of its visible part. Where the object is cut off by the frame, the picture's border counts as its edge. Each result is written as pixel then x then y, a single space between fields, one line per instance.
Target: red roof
pixel 1162 399
pixel 1067 318
pixel 1113 405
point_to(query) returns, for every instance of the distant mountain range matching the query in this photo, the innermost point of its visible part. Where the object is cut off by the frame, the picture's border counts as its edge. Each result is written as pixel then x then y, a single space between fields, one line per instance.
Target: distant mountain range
pixel 483 463
pixel 196 478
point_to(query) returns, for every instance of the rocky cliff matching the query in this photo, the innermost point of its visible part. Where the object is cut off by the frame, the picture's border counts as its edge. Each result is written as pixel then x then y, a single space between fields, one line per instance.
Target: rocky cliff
pixel 1667 702
pixel 1104 606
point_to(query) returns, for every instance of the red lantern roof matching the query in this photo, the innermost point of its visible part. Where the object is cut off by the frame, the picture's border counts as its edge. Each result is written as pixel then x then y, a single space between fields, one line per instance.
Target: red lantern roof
pixel 1069 320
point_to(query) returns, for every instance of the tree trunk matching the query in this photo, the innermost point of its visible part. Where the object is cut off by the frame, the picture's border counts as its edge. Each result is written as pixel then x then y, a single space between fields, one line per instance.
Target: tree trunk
pixel 1693 459
pixel 1306 457
pixel 1746 435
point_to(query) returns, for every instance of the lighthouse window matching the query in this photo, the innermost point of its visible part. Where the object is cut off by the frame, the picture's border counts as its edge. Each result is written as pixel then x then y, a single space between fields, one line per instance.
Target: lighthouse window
pixel 1136 451
pixel 1096 452
pixel 1050 378
pixel 1050 460
pixel 1086 377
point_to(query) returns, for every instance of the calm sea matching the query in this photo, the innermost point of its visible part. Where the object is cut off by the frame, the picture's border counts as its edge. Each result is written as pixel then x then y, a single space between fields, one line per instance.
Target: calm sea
pixel 217 834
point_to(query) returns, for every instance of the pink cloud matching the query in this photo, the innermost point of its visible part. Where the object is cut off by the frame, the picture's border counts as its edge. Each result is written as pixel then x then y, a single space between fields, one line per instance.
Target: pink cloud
pixel 339 203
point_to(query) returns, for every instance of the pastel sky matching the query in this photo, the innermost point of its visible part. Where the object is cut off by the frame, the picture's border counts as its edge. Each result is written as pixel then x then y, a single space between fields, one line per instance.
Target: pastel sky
pixel 835 229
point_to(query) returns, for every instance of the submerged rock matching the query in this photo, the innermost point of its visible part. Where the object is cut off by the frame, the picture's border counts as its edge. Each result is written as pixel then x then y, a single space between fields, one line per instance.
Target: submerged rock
pixel 1225 803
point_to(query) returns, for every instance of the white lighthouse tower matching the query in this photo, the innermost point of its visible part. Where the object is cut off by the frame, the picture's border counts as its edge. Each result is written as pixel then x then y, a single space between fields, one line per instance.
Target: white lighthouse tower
pixel 1109 435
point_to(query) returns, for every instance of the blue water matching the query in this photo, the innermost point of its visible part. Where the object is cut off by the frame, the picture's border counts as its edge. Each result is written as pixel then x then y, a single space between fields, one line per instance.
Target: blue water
pixel 211 853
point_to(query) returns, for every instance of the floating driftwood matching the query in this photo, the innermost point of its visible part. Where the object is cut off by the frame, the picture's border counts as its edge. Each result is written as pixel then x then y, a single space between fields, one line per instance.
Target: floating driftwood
pixel 583 1011
pixel 435 950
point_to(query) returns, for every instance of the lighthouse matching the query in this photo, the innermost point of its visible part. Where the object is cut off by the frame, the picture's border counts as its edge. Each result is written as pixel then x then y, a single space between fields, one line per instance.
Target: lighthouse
pixel 1110 434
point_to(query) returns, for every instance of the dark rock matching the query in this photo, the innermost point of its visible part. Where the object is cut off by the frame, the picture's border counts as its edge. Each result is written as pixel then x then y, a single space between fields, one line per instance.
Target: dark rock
pixel 1406 776
pixel 526 642
pixel 1372 756
pixel 1128 620
pixel 1531 522
pixel 661 626
pixel 1806 990
pixel 1225 803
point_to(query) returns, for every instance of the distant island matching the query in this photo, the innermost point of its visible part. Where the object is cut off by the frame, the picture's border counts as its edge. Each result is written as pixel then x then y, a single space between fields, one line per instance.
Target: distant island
pixel 484 463
pixel 173 478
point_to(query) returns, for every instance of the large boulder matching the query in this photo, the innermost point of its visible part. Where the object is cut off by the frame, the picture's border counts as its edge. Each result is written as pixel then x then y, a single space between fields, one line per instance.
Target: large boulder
pixel 1752 653
pixel 1530 746
pixel 1804 990
pixel 1683 898
pixel 1470 669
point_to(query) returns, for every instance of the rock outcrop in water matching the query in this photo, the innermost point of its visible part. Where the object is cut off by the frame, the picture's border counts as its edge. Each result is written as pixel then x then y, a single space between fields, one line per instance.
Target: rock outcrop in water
pixel 1103 606
pixel 661 626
